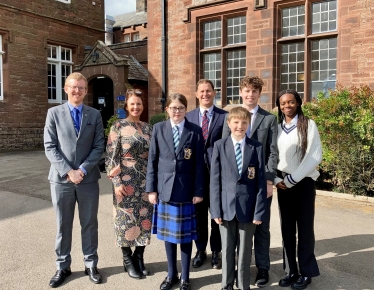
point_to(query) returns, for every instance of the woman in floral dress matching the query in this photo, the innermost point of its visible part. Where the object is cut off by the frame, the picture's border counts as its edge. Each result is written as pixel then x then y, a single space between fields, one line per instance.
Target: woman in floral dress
pixel 126 164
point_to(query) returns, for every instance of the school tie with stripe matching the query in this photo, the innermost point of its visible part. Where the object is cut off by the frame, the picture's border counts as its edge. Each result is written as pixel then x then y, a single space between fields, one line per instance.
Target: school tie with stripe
pixel 238 156
pixel 76 120
pixel 205 125
pixel 176 137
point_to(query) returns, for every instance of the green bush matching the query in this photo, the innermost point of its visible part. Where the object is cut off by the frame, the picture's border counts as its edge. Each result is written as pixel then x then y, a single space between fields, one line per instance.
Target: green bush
pixel 160 117
pixel 345 122
pixel 109 124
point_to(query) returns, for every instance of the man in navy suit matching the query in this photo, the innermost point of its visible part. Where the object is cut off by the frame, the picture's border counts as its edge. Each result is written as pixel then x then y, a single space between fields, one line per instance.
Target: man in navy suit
pixel 210 119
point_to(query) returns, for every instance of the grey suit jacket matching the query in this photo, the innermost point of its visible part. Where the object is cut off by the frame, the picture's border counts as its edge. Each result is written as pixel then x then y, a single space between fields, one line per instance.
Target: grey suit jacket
pixel 265 131
pixel 65 150
pixel 233 195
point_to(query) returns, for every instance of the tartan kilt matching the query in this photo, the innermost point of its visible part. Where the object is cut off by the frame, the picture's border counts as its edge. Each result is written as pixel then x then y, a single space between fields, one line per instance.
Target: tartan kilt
pixel 174 222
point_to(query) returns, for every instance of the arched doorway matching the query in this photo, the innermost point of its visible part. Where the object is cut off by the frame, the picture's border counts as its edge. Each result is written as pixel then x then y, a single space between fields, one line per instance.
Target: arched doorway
pixel 102 94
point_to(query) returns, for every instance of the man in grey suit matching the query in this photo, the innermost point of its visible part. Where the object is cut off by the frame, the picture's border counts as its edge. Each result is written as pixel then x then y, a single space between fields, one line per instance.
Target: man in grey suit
pixel 264 129
pixel 74 143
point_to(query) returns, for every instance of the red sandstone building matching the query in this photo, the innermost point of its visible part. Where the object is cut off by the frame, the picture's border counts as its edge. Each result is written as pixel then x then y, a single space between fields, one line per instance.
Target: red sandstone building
pixel 305 45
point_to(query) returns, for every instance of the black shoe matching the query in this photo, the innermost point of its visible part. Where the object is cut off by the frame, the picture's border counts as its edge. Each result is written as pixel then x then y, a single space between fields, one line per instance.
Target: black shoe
pixel 138 258
pixel 216 260
pixel 94 274
pixel 185 285
pixel 168 283
pixel 262 278
pixel 59 277
pixel 287 280
pixel 129 264
pixel 199 259
pixel 301 283
pixel 228 287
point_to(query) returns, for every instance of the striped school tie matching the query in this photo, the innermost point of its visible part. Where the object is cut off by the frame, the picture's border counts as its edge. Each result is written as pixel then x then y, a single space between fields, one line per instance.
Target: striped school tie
pixel 238 156
pixel 205 125
pixel 176 137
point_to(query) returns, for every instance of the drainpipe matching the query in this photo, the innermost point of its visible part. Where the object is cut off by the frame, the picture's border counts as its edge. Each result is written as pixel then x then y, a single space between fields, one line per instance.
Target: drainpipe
pixel 163 57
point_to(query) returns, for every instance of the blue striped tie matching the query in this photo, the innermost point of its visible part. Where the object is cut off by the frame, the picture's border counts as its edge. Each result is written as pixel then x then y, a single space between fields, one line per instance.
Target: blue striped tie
pixel 176 137
pixel 238 156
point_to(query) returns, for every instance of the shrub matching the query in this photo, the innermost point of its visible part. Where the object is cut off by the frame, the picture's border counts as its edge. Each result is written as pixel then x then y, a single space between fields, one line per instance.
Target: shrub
pixel 109 124
pixel 160 117
pixel 346 124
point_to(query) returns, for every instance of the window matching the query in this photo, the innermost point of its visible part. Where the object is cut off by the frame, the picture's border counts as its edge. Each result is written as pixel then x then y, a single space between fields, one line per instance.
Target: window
pixel 1 69
pixel 223 56
pixel 136 36
pixel 127 38
pixel 308 48
pixel 59 67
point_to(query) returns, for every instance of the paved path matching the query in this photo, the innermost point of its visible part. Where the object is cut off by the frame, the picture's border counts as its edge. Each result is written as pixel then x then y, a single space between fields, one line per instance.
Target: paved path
pixel 344 239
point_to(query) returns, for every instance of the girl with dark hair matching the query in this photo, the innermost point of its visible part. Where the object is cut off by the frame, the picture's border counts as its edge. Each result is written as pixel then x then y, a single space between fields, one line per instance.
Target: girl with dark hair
pixel 175 175
pixel 300 152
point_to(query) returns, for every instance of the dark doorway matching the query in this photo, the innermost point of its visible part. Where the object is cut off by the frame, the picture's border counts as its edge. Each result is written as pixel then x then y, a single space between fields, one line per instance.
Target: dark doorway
pixel 102 92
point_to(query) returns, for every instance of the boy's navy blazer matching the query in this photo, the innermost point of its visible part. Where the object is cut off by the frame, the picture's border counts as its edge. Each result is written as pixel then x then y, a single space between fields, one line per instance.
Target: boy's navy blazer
pixel 172 175
pixel 215 129
pixel 237 196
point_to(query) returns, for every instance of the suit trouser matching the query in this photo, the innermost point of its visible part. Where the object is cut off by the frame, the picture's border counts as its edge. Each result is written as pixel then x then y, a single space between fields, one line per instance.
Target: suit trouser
pixel 235 234
pixel 64 196
pixel 262 240
pixel 202 219
pixel 296 207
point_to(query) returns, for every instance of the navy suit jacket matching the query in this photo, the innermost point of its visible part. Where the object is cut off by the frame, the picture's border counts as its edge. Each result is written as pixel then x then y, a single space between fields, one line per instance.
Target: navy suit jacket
pixel 215 129
pixel 174 176
pixel 237 196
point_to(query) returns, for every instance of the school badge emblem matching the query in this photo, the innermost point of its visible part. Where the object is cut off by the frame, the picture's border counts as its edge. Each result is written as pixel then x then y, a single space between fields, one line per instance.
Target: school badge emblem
pixel 187 153
pixel 251 172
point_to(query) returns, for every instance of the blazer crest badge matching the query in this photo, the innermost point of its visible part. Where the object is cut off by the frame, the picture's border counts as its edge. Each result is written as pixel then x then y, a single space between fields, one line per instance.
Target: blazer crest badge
pixel 251 172
pixel 187 153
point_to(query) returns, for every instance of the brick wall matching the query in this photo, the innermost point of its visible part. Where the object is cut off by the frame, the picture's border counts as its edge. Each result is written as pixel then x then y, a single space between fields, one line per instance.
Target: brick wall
pixel 119 34
pixel 25 38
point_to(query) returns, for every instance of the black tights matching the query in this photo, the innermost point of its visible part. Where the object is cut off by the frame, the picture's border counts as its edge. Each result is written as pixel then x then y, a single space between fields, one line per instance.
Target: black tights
pixel 171 255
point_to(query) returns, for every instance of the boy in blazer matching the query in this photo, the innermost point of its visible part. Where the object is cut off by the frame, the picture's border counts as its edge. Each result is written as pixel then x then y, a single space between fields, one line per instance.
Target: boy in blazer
pixel 264 129
pixel 237 196
pixel 210 119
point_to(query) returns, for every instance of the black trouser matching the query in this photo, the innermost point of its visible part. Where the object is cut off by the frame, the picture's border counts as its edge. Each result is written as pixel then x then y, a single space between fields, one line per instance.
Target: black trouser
pixel 296 207
pixel 202 218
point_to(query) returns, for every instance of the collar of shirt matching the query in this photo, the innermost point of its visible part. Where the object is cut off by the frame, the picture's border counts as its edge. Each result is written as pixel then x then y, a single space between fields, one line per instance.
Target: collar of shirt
pixel 293 121
pixel 253 111
pixel 210 111
pixel 71 107
pixel 241 142
pixel 180 126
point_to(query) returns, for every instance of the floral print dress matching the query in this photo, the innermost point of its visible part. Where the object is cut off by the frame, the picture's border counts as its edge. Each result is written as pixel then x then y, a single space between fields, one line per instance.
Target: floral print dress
pixel 126 161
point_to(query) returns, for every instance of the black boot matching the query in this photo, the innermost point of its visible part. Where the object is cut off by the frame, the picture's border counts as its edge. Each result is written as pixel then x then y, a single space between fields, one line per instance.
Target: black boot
pixel 138 258
pixel 128 263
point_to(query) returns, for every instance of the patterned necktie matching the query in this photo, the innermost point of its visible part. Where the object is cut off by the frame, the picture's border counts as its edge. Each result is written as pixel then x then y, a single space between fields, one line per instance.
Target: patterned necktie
pixel 238 156
pixel 205 125
pixel 176 137
pixel 76 120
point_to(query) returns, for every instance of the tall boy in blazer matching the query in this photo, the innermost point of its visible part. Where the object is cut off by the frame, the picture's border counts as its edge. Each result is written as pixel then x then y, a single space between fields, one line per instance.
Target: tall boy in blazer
pixel 264 129
pixel 74 144
pixel 214 117
pixel 237 196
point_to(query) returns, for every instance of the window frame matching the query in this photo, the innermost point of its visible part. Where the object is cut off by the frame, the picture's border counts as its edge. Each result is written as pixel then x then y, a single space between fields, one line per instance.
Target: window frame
pixel 1 69
pixel 58 62
pixel 306 38
pixel 223 49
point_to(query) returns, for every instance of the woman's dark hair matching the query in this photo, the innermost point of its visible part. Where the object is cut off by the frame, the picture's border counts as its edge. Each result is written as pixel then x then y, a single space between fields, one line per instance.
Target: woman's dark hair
pixel 302 122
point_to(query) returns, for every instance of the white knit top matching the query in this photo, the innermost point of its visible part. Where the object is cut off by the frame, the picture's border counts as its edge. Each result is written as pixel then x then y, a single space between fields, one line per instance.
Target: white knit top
pixel 289 160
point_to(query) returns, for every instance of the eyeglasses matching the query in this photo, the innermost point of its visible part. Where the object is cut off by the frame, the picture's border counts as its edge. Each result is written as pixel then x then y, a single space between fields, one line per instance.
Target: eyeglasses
pixel 81 89
pixel 177 109
pixel 134 92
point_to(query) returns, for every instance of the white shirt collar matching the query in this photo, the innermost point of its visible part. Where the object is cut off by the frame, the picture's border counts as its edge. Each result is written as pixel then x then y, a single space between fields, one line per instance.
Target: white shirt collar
pixel 293 121
pixel 210 110
pixel 180 125
pixel 254 110
pixel 241 142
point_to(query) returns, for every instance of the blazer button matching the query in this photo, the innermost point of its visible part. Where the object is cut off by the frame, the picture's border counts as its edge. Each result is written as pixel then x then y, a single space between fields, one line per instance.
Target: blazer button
pixel 174 160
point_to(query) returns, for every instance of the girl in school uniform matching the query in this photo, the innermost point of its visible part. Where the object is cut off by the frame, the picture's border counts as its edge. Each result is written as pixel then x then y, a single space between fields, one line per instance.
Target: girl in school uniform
pixel 174 184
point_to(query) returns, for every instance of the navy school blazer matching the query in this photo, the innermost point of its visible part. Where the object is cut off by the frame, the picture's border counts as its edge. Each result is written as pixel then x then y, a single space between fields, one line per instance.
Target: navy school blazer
pixel 231 195
pixel 176 176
